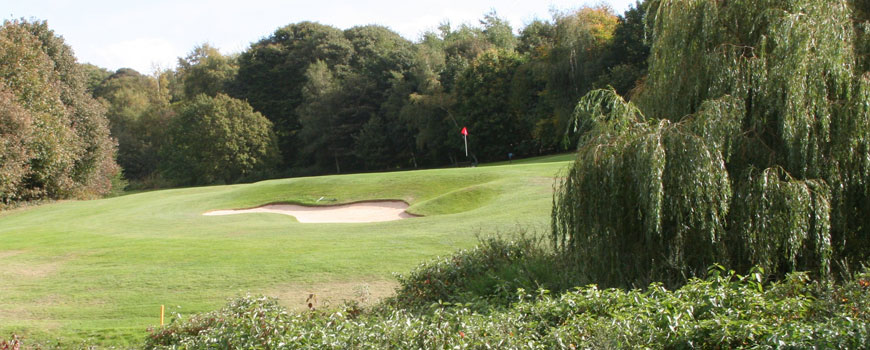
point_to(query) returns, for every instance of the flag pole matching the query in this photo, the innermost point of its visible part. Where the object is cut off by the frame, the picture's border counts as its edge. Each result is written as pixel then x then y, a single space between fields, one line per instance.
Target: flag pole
pixel 465 137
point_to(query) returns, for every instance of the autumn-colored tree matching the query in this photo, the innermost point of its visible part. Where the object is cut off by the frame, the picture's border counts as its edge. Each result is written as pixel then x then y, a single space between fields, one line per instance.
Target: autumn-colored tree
pixel 69 152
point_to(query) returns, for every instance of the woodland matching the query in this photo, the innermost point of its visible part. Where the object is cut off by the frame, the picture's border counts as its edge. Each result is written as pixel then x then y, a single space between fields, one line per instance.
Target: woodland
pixel 309 99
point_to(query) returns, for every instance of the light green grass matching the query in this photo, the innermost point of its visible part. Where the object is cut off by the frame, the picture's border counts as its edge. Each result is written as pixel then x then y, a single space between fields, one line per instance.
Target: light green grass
pixel 562 157
pixel 98 271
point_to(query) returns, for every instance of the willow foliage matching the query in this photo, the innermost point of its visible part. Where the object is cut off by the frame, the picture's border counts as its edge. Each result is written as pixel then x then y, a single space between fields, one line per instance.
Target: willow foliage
pixel 748 146
pixel 625 211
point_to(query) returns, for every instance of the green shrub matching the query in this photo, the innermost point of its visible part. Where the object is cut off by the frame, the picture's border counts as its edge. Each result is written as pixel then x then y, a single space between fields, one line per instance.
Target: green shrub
pixel 487 275
pixel 724 311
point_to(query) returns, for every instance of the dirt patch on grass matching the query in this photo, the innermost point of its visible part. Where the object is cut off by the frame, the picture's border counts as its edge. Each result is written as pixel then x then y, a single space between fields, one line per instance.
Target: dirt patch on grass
pixel 377 211
pixel 13 267
pixel 10 253
pixel 35 310
pixel 34 271
pixel 297 296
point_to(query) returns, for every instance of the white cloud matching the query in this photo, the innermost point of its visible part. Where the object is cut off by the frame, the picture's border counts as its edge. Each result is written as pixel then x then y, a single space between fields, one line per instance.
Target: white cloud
pixel 140 54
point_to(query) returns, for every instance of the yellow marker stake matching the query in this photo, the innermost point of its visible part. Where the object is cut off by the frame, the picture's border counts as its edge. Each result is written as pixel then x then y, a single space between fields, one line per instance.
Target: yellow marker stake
pixel 161 315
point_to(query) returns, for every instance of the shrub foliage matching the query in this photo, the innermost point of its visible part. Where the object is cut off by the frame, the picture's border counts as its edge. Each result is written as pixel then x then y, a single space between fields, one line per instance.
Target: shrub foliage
pixel 724 311
pixel 483 277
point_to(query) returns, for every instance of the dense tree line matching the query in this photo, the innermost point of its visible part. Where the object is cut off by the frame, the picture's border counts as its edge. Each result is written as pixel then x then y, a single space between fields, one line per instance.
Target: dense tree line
pixel 307 99
pixel 367 99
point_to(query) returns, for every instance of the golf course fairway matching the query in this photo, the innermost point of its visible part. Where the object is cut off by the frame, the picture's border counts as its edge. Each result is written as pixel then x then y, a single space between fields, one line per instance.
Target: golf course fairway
pixel 97 272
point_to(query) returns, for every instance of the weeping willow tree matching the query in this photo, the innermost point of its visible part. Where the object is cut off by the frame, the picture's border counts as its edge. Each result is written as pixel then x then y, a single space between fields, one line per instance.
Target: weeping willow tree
pixel 748 146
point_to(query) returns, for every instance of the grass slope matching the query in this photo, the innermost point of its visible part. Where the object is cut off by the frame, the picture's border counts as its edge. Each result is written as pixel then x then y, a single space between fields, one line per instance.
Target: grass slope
pixel 98 271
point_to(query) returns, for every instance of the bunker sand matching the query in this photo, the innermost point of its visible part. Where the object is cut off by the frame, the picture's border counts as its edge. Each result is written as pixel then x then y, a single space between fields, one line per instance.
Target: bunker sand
pixel 375 211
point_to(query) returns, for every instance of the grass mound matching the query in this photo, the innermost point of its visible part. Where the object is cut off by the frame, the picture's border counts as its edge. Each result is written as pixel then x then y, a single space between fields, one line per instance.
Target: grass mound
pixel 458 201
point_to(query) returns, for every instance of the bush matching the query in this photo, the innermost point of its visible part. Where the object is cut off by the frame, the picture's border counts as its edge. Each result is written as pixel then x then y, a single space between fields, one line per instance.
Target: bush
pixel 489 297
pixel 723 311
pixel 487 275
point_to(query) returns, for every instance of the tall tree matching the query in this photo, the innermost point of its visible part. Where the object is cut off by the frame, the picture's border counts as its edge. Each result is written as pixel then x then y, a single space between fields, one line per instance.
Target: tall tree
pixel 94 75
pixel 381 60
pixel 16 133
pixel 750 147
pixel 215 140
pixel 272 74
pixel 627 53
pixel 484 95
pixel 319 134
pixel 574 63
pixel 72 153
pixel 137 110
pixel 498 31
pixel 429 108
pixel 206 71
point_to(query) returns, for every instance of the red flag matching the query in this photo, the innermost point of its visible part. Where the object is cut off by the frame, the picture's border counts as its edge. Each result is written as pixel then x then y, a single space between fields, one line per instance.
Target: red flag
pixel 464 131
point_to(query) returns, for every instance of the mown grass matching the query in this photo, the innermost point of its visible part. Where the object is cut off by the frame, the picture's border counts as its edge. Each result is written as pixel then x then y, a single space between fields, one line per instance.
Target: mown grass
pixel 96 272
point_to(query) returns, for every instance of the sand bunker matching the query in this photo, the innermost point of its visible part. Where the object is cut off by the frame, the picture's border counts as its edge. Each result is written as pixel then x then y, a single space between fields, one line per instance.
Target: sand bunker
pixel 345 213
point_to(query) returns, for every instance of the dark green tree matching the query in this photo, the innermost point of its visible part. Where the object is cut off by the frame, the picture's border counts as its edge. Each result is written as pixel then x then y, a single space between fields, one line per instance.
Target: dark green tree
pixel 428 111
pixel 378 52
pixel 336 107
pixel 498 31
pixel 318 115
pixel 137 110
pixel 206 71
pixel 214 140
pixel 627 53
pixel 484 95
pixel 536 39
pixel 272 73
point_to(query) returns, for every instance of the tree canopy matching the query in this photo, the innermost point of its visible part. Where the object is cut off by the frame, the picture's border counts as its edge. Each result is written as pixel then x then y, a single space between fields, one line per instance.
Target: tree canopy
pixel 137 112
pixel 55 135
pixel 218 140
pixel 358 99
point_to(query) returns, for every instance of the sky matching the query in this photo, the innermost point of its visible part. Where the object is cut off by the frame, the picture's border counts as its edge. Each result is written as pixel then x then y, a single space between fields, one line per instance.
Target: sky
pixel 146 35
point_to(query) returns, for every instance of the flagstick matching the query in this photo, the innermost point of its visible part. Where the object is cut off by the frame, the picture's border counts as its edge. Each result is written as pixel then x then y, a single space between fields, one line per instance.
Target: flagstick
pixel 465 137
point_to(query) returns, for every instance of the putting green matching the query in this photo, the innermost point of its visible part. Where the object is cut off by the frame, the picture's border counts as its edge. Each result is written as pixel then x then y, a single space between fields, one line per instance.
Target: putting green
pixel 98 271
